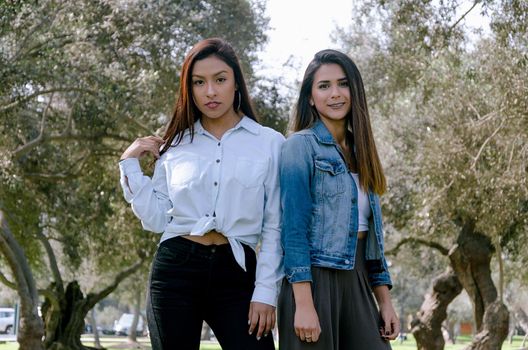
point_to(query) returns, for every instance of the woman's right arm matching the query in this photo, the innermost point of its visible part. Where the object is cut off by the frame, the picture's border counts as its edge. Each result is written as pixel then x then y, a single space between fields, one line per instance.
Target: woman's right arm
pixel 149 197
pixel 296 171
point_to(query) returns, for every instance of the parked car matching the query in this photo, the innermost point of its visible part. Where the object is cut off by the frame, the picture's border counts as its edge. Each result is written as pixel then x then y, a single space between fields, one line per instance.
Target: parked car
pixel 88 329
pixel 123 325
pixel 7 320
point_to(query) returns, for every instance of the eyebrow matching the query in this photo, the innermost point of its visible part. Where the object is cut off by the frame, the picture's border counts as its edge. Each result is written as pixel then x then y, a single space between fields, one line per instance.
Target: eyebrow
pixel 327 81
pixel 199 76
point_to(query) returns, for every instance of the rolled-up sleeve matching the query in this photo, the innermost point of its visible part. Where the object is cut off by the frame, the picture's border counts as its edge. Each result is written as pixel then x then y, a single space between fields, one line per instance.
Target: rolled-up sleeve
pixel 148 196
pixel 296 171
pixel 269 271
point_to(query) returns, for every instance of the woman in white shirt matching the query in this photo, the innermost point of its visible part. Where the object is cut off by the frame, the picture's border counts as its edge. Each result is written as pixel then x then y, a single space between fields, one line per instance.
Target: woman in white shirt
pixel 214 196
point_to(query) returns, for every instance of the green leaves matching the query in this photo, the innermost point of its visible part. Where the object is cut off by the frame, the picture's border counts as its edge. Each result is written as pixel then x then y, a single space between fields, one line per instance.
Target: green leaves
pixel 80 81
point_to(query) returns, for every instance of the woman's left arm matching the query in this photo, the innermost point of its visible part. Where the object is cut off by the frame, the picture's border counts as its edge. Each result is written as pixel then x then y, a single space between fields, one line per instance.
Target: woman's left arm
pixel 391 325
pixel 269 272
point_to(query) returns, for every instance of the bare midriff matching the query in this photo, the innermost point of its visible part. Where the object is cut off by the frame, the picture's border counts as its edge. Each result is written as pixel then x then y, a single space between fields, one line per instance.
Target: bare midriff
pixel 362 234
pixel 210 238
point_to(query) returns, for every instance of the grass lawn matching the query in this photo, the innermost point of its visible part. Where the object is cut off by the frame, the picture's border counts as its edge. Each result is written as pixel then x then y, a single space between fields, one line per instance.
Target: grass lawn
pixel 114 343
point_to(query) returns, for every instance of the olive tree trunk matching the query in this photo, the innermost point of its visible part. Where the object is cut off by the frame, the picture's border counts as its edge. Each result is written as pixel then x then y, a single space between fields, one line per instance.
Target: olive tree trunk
pixel 471 261
pixel 31 328
pixel 427 327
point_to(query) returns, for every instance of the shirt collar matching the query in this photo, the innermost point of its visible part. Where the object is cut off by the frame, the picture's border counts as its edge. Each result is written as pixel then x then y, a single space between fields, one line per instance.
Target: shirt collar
pixel 249 124
pixel 321 133
pixel 246 123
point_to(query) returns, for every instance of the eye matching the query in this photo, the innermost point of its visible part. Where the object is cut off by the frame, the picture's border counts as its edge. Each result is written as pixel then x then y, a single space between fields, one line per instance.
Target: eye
pixel 221 79
pixel 198 82
pixel 323 86
pixel 343 83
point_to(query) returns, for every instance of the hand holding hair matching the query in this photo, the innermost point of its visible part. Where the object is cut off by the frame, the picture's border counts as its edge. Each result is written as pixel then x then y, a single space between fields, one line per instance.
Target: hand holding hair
pixel 142 146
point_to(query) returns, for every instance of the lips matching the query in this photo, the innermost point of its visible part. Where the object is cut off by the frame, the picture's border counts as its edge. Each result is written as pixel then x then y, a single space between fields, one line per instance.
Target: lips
pixel 212 104
pixel 336 105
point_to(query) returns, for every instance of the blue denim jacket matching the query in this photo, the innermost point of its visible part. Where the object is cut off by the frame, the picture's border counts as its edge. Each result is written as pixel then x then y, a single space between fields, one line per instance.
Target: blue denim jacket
pixel 320 210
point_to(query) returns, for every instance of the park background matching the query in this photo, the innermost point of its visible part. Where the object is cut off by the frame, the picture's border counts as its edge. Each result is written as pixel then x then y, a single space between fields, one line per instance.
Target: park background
pixel 447 87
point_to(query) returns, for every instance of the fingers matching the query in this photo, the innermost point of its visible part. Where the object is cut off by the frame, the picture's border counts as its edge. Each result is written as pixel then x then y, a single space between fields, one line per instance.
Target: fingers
pixel 157 139
pixel 252 319
pixel 306 324
pixel 261 318
pixel 142 146
pixel 262 324
pixel 391 329
pixel 395 325
pixel 151 144
pixel 308 335
pixel 315 335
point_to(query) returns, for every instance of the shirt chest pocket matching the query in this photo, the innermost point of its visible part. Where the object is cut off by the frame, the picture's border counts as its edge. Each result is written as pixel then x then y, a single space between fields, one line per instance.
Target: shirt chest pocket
pixel 250 173
pixel 330 176
pixel 183 171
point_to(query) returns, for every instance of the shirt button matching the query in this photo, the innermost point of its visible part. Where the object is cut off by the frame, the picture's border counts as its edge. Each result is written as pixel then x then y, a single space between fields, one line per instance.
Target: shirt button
pixel 347 261
pixel 216 183
pixel 218 160
pixel 218 144
pixel 207 215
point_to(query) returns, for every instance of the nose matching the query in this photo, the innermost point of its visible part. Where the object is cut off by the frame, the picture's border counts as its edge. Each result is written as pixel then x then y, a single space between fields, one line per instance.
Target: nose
pixel 211 91
pixel 334 92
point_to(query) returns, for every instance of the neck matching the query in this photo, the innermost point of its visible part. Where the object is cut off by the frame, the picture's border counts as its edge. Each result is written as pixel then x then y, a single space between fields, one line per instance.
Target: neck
pixel 218 126
pixel 337 128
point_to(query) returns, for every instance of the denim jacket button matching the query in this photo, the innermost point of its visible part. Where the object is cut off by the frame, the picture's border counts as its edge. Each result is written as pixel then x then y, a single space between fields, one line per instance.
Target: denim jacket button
pixel 347 261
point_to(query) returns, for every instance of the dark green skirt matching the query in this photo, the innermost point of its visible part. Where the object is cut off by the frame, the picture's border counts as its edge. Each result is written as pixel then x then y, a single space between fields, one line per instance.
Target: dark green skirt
pixel 347 311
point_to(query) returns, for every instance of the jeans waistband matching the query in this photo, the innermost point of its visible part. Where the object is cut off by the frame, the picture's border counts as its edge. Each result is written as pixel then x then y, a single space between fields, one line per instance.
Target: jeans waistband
pixel 181 243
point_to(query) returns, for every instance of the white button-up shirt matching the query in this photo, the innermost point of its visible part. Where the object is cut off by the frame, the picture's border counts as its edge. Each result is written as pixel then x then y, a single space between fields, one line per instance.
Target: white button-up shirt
pixel 229 185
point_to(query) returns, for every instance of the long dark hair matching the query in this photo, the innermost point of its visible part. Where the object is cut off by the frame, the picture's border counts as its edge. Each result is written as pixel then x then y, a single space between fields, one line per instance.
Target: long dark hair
pixel 185 112
pixel 358 121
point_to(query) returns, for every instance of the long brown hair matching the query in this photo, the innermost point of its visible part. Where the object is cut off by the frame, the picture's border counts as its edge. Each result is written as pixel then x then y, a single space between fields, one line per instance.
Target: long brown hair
pixel 369 166
pixel 185 112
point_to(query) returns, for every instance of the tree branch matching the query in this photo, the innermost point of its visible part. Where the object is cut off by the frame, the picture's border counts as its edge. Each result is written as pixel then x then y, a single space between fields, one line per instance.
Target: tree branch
pixel 17 261
pixel 31 34
pixel 52 261
pixel 7 282
pixel 24 149
pixel 52 297
pixel 464 15
pixel 19 100
pixel 474 163
pixel 412 240
pixel 93 298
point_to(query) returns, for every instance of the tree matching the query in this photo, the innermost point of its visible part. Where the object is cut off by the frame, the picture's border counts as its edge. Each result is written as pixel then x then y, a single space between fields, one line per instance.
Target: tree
pixel 79 81
pixel 453 117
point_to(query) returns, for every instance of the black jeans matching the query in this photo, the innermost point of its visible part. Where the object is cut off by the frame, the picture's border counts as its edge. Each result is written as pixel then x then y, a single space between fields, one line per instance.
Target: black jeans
pixel 191 283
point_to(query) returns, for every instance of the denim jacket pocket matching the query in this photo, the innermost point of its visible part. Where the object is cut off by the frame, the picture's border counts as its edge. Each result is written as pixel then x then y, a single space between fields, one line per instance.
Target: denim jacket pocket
pixel 329 176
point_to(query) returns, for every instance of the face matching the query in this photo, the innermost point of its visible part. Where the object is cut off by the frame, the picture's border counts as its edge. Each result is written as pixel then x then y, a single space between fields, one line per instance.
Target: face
pixel 330 93
pixel 213 88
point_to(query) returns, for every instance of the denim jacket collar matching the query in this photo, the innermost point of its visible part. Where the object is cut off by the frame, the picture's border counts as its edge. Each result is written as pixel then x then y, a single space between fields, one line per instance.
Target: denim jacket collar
pixel 322 133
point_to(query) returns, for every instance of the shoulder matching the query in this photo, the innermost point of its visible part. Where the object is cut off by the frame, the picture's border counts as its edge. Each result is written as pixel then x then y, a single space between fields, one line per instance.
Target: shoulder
pixel 298 148
pixel 299 139
pixel 274 136
pixel 265 135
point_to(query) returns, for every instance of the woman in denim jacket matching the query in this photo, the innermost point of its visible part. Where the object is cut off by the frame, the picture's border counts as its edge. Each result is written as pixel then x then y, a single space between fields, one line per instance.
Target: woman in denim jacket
pixel 332 234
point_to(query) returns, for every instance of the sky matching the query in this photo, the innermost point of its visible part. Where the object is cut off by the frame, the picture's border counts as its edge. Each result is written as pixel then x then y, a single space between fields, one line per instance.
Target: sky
pixel 300 28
